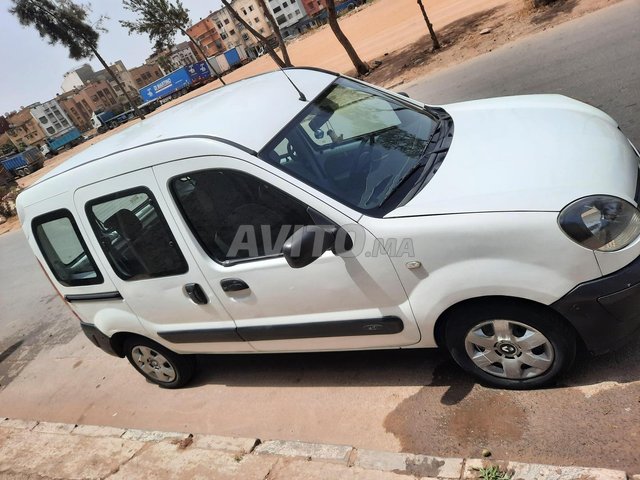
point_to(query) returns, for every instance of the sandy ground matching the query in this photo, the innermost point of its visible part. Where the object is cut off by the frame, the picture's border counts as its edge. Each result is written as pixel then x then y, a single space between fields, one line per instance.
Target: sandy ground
pixel 393 33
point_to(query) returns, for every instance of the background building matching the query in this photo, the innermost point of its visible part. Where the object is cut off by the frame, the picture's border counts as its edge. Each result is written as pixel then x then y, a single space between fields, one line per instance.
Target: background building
pixel 121 72
pixel 78 78
pixel 24 130
pixel 79 104
pixel 234 34
pixel 313 7
pixel 206 33
pixel 6 145
pixel 4 125
pixel 287 13
pixel 184 54
pixel 51 118
pixel 145 74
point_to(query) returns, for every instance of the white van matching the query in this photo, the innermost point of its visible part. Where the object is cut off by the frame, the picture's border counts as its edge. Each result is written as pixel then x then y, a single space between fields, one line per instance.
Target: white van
pixel 318 213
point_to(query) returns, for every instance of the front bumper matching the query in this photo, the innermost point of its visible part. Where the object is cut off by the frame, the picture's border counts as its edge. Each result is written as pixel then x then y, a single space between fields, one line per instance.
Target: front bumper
pixel 605 311
pixel 98 338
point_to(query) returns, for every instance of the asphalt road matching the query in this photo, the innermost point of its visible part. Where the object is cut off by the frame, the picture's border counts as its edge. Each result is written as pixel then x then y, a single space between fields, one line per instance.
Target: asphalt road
pixel 595 59
pixel 414 401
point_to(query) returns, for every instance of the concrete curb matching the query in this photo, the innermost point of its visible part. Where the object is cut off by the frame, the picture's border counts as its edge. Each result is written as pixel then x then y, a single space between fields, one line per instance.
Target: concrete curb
pixel 132 455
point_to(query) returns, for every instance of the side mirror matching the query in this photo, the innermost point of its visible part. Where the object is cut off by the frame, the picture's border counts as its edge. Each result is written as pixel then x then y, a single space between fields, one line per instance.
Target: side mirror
pixel 306 245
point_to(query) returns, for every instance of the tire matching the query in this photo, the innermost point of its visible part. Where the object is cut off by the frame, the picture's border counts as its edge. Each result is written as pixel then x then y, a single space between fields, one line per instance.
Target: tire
pixel 510 344
pixel 171 370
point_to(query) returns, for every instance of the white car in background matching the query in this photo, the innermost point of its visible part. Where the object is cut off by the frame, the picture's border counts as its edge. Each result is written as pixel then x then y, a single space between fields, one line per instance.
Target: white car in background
pixel 316 212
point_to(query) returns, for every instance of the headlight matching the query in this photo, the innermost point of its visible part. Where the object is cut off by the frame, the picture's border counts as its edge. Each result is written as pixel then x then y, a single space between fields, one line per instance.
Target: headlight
pixel 601 222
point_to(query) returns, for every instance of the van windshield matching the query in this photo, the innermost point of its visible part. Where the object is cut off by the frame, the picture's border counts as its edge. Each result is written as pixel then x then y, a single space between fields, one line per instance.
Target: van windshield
pixel 354 143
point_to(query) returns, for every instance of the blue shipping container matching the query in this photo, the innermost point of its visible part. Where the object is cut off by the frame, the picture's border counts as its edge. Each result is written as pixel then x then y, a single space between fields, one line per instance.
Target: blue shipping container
pixel 57 143
pixel 198 71
pixel 232 56
pixel 14 161
pixel 176 80
pixel 27 158
pixel 104 117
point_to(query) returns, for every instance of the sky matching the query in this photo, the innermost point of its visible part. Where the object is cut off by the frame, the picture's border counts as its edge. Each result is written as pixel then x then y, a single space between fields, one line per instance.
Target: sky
pixel 32 70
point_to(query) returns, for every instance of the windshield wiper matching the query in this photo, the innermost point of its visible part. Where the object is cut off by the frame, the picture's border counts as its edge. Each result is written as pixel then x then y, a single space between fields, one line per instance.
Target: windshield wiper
pixel 423 161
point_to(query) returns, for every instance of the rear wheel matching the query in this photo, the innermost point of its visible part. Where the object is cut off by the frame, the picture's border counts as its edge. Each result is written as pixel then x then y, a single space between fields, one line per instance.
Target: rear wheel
pixel 158 364
pixel 510 345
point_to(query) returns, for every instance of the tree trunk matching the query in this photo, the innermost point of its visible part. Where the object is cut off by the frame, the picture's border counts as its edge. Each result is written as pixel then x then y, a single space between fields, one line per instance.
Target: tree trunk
pixel 136 110
pixel 434 38
pixel 276 31
pixel 204 55
pixel 361 67
pixel 272 53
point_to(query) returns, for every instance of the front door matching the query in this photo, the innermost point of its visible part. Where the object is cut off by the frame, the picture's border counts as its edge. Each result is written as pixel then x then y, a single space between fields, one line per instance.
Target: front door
pixel 151 265
pixel 237 216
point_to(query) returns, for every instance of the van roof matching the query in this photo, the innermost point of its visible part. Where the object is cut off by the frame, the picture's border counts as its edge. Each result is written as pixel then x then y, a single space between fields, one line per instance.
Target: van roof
pixel 247 113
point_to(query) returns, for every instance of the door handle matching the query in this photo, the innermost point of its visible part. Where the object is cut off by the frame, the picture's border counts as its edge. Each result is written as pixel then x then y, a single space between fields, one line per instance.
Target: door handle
pixel 196 293
pixel 233 285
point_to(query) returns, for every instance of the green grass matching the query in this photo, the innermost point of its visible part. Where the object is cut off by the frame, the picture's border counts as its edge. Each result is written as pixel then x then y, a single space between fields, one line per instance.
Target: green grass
pixel 493 473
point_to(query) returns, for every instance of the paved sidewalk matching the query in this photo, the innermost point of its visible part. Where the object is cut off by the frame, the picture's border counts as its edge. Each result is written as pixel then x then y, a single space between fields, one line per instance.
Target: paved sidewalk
pixel 30 449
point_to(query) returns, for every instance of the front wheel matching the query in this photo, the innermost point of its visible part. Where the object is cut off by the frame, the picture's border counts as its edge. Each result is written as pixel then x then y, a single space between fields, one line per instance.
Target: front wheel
pixel 158 364
pixel 510 345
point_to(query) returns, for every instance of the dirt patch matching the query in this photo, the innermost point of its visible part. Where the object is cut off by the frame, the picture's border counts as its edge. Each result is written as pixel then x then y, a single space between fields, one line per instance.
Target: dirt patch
pixel 10 225
pixel 475 34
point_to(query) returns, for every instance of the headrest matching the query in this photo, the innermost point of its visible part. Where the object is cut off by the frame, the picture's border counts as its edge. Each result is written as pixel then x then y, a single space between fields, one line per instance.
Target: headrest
pixel 124 222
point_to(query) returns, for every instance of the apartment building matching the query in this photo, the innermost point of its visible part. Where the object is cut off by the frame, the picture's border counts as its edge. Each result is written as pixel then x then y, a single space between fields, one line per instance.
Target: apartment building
pixel 24 130
pixel 77 78
pixel 313 7
pixel 125 77
pixel 145 74
pixel 183 54
pixel 4 124
pixel 287 13
pixel 79 104
pixel 6 145
pixel 51 118
pixel 206 33
pixel 234 34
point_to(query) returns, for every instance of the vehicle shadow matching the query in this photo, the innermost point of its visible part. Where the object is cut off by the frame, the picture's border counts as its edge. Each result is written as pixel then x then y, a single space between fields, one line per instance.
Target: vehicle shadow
pixel 413 367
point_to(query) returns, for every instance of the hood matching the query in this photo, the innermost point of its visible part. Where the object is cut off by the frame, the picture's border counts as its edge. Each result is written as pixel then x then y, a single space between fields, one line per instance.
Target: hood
pixel 527 153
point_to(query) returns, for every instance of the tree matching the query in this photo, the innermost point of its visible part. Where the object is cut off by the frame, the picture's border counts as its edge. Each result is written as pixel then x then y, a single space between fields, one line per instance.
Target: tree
pixel 160 19
pixel 361 67
pixel 434 38
pixel 285 61
pixel 66 22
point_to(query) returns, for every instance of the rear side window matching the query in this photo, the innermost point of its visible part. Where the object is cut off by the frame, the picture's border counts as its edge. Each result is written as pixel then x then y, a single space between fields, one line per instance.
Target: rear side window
pixel 64 250
pixel 135 236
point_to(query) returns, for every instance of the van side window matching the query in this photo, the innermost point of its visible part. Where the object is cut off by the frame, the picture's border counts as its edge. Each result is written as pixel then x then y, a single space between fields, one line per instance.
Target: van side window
pixel 237 217
pixel 135 236
pixel 64 250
